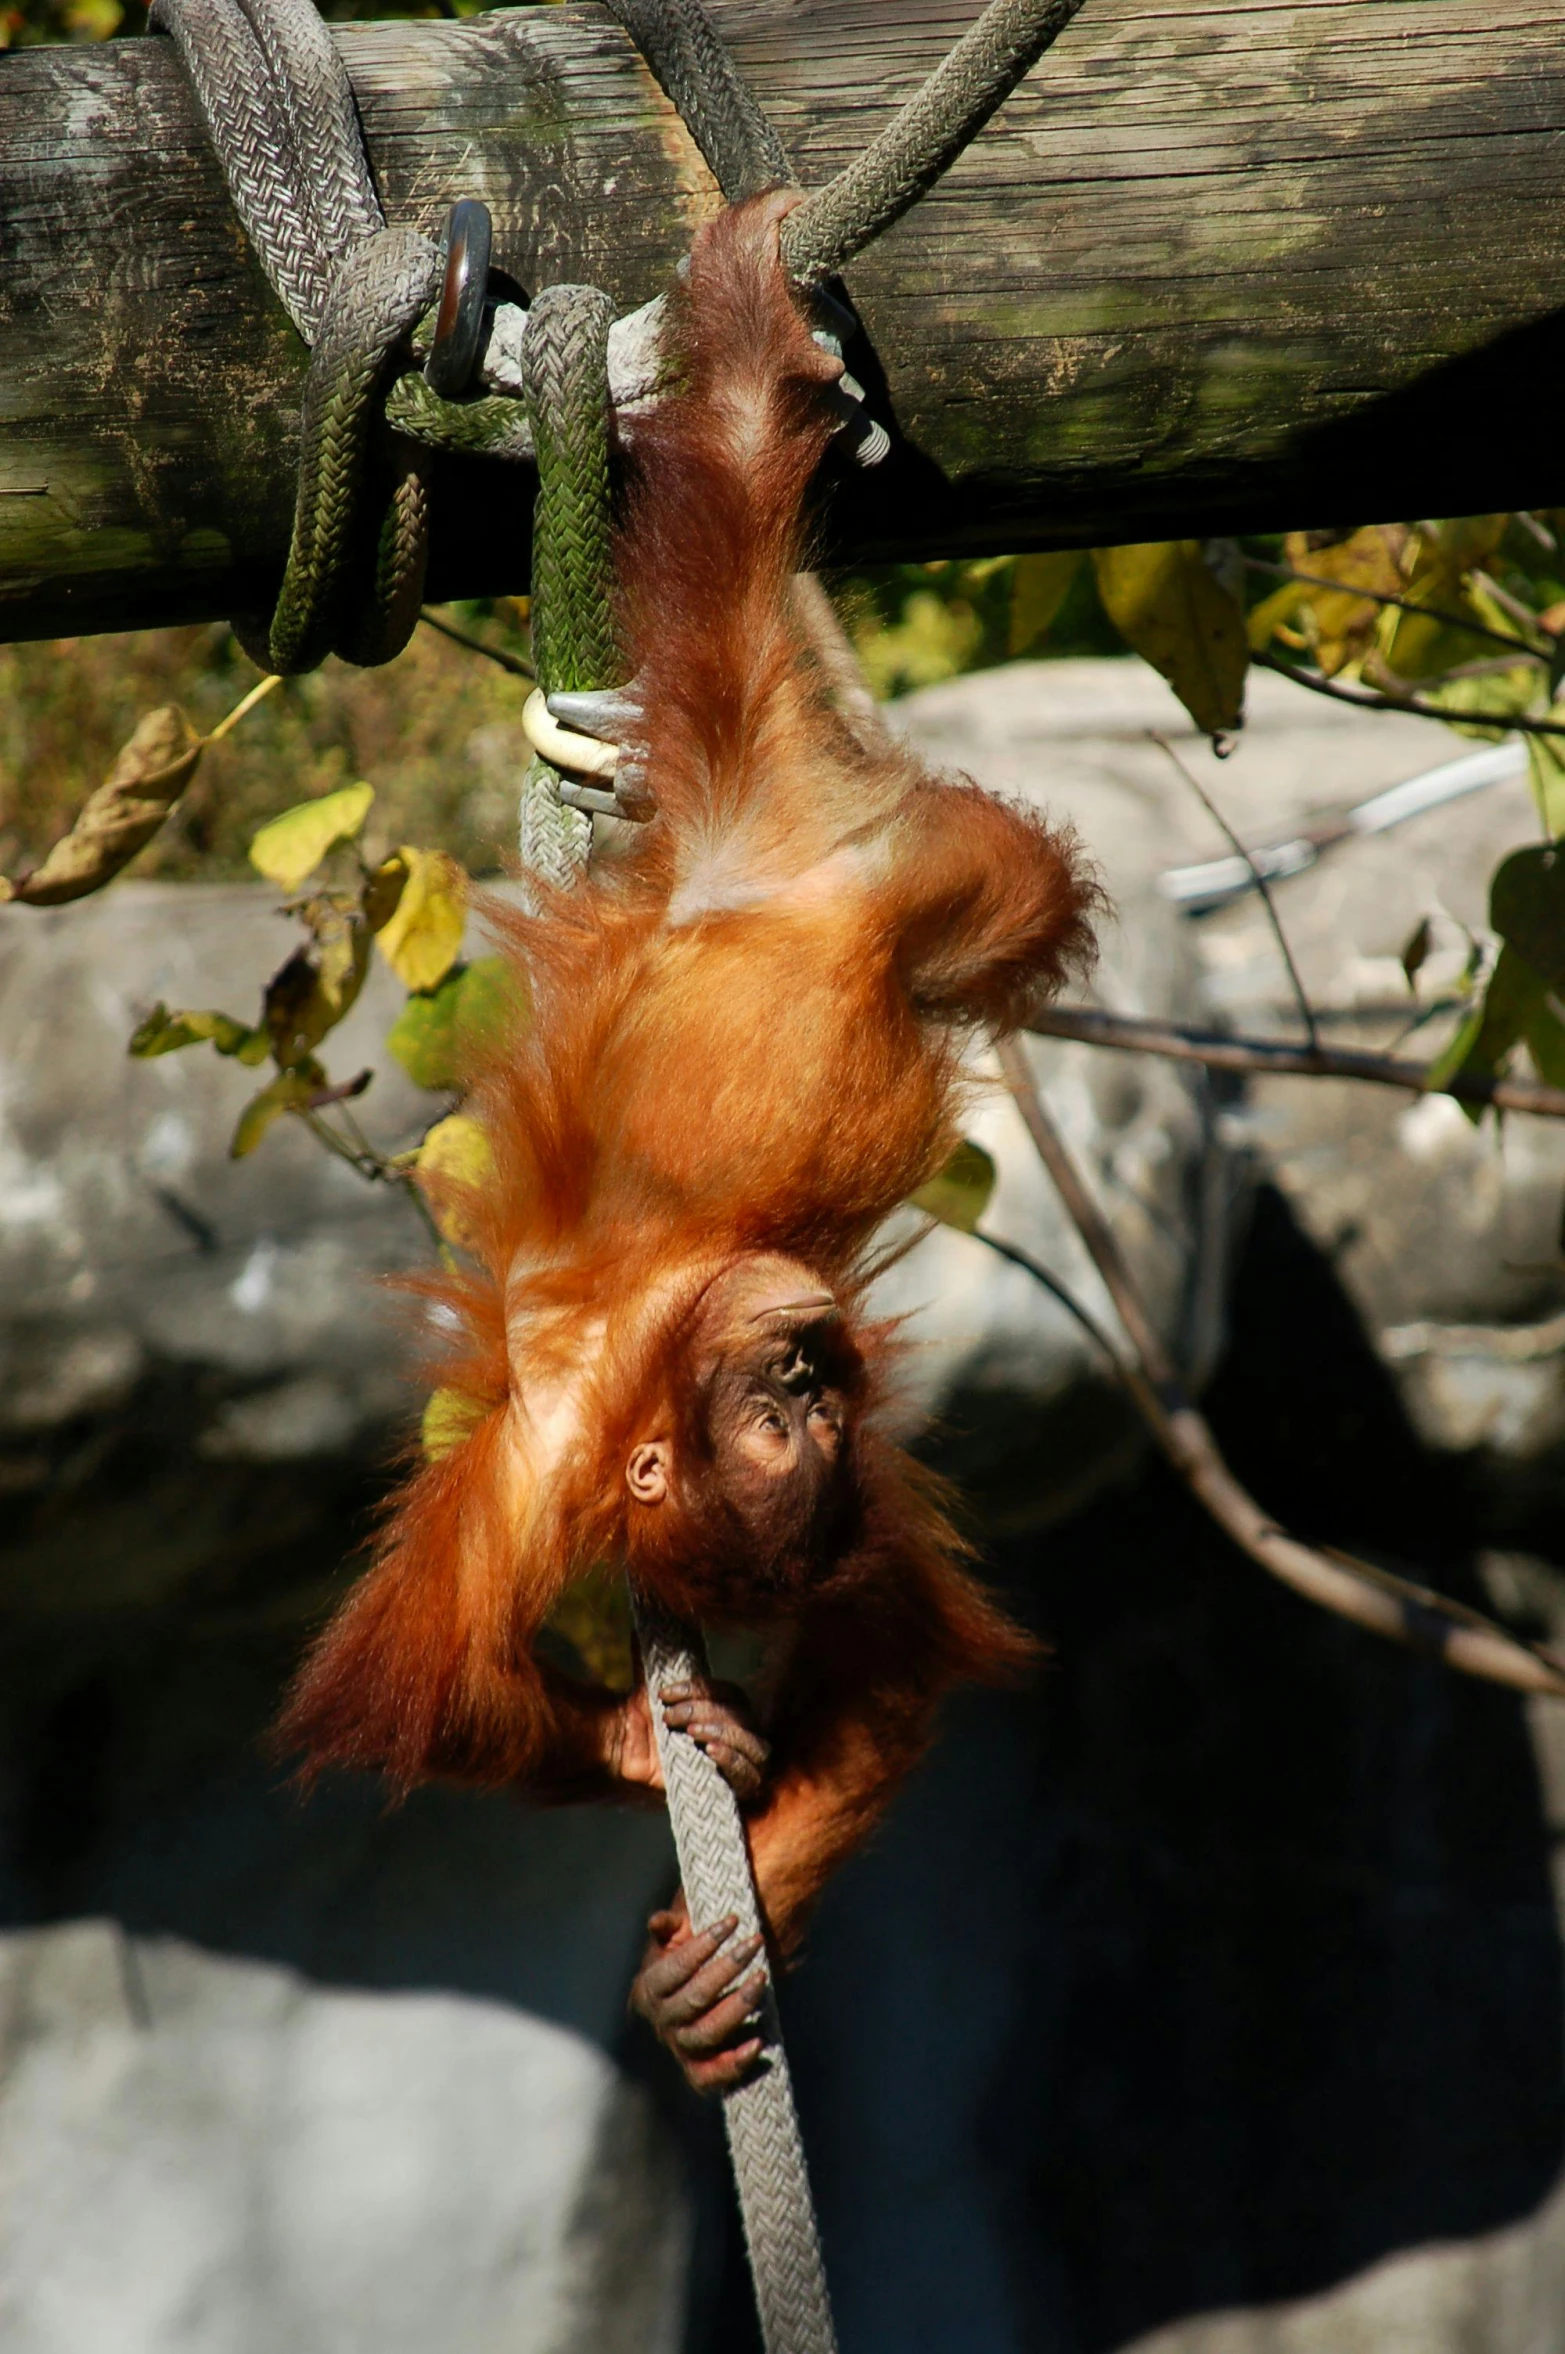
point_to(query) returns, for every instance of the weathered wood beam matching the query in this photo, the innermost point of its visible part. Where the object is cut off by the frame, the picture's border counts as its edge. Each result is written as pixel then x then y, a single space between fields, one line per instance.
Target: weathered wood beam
pixel 1213 267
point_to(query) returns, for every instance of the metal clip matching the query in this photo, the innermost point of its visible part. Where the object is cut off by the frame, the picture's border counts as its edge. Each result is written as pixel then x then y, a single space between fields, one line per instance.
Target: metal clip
pixel 465 244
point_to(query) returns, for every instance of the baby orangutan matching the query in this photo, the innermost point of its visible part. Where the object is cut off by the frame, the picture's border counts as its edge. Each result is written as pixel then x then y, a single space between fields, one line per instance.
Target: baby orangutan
pixel 741 1052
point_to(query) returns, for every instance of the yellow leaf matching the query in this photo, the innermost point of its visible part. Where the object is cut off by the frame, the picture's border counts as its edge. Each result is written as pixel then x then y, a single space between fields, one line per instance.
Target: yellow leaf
pixel 422 937
pixel 449 1417
pixel 164 1033
pixel 1263 621
pixel 122 816
pixel 1039 587
pixel 454 1162
pixel 1346 620
pixel 292 846
pixel 1167 603
pixel 958 1194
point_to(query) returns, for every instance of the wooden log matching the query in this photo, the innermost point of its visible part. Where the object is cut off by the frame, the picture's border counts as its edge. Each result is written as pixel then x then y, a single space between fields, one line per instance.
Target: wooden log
pixel 1212 268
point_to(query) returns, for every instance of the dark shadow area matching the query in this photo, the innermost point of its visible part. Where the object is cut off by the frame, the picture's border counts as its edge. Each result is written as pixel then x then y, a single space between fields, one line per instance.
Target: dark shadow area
pixel 1215 1966
pixel 1222 1964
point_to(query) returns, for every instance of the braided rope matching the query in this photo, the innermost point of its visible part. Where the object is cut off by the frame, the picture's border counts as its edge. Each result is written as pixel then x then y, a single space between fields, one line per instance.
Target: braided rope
pixel 762 2122
pixel 690 59
pixel 565 376
pixel 272 89
pixel 924 139
pixel 565 365
pixel 325 602
pixel 234 92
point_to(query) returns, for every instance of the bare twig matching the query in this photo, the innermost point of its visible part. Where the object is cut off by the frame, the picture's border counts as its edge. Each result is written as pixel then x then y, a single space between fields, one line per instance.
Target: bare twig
pixel 1502 722
pixel 1301 996
pixel 231 719
pixel 1407 1612
pixel 1343 588
pixel 497 654
pixel 1132 1034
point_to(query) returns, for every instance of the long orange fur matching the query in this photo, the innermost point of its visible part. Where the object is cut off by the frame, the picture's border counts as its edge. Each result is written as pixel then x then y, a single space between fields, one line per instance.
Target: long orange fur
pixel 743 1037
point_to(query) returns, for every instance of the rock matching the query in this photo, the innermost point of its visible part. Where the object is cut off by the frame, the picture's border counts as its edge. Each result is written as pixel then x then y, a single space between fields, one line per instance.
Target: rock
pixel 1446 1235
pixel 403 2170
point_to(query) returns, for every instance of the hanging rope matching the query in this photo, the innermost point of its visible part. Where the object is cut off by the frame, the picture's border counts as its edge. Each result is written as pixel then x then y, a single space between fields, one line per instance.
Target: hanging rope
pixel 574 649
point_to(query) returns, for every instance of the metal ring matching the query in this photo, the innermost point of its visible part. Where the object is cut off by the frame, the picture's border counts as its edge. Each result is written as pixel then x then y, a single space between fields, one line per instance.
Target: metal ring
pixel 465 245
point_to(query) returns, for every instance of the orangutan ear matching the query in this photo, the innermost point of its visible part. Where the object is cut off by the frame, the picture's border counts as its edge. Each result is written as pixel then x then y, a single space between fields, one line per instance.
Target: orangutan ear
pixel 646 1474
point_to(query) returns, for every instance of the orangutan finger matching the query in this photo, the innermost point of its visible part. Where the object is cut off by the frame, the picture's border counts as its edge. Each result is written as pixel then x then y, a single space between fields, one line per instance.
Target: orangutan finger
pixel 680 2004
pixel 696 1960
pixel 727 2069
pixel 740 1773
pixel 721 2023
pixel 677 1964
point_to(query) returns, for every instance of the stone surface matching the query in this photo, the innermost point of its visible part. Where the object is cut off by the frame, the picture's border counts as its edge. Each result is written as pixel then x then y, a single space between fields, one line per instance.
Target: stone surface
pixel 203 2153
pixel 1446 1235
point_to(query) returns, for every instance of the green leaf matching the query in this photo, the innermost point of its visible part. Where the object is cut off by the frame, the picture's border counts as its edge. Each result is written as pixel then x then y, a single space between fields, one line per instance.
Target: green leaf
pixel 1513 1001
pixel 293 845
pixel 290 1091
pixel 1483 707
pixel 421 938
pixel 1527 909
pixel 592 1621
pixel 1546 1042
pixel 959 1194
pixel 1167 603
pixel 439 1031
pixel 164 1033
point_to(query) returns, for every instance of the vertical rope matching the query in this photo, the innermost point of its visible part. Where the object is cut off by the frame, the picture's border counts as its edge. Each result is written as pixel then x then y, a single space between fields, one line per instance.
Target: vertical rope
pixel 565 363
pixel 565 373
pixel 764 2142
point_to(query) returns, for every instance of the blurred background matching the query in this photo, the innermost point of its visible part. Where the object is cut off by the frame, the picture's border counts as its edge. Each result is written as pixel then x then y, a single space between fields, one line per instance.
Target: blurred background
pixel 1204 1996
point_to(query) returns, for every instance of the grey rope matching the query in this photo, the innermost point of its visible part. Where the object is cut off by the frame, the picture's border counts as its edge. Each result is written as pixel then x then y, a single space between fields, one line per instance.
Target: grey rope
pixel 762 2122
pixel 691 62
pixel 565 366
pixel 274 94
pixel 924 139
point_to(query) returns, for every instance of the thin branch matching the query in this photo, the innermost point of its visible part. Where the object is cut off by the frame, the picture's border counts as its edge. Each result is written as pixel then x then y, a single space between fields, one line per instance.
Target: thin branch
pixel 1066 1297
pixel 257 693
pixel 1502 722
pixel 1132 1034
pixel 497 654
pixel 366 1162
pixel 1296 979
pixel 1475 629
pixel 1371 1597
